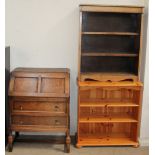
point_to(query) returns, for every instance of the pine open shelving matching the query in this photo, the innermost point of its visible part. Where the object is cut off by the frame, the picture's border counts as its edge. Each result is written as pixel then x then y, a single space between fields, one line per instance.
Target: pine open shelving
pixel 109 90
pixel 99 104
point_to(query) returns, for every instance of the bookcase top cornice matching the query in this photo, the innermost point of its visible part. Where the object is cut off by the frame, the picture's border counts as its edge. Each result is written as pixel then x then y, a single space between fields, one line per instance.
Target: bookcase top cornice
pixel 111 8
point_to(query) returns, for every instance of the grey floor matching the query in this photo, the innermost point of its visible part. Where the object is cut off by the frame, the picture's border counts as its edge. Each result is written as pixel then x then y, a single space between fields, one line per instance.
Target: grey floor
pixel 50 149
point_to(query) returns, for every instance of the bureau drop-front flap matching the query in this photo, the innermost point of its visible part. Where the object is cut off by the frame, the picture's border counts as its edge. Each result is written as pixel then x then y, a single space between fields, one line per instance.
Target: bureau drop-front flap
pixel 43 82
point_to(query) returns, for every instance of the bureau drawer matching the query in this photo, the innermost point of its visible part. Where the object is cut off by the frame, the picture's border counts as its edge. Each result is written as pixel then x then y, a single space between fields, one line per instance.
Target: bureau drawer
pixel 40 121
pixel 39 106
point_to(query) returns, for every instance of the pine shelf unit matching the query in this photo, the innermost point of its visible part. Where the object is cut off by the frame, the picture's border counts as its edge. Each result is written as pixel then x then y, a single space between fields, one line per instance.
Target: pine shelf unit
pixel 109 90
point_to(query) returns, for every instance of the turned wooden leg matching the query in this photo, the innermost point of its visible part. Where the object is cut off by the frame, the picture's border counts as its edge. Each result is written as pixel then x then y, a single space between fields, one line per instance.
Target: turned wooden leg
pixel 68 141
pixel 10 142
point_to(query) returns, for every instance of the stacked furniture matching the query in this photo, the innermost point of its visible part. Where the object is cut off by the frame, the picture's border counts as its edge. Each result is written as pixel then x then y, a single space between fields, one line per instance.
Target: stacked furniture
pixel 39 102
pixel 109 88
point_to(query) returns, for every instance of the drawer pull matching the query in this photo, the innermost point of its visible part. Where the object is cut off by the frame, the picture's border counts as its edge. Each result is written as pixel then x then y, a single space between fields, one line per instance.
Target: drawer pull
pixel 56 108
pixel 21 122
pixel 57 122
pixel 21 108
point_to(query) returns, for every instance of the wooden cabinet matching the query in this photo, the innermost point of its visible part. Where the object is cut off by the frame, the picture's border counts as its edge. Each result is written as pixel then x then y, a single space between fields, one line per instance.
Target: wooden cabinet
pixel 109 90
pixel 39 101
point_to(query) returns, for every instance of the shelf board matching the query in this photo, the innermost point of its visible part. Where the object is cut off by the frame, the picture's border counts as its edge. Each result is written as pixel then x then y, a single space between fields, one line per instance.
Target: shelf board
pixel 101 119
pixel 112 33
pixel 109 84
pixel 106 76
pixel 109 54
pixel 99 140
pixel 108 104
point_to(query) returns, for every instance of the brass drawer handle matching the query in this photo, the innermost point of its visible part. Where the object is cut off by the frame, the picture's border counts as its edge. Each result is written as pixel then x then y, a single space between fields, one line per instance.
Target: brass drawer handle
pixel 56 108
pixel 57 122
pixel 21 108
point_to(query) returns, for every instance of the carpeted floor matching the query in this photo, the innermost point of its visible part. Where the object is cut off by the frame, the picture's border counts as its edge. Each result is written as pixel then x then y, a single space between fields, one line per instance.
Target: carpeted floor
pixel 50 149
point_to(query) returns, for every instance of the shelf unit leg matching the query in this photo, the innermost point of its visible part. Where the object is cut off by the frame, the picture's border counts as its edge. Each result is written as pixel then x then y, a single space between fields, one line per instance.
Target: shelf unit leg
pixel 136 146
pixel 78 146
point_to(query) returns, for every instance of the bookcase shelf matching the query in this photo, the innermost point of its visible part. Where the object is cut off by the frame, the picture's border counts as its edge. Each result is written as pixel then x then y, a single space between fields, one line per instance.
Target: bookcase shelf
pixel 101 119
pixel 110 54
pixel 103 140
pixel 109 90
pixel 111 33
pixel 103 104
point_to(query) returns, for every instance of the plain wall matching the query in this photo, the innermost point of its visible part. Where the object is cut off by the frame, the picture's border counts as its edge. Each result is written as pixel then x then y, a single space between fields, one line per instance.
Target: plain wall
pixel 44 33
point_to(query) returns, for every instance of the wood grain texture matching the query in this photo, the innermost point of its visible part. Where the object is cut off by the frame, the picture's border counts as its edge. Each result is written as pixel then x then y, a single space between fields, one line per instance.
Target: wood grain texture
pixel 116 9
pixel 111 33
pixel 108 113
pixel 109 90
pixel 39 102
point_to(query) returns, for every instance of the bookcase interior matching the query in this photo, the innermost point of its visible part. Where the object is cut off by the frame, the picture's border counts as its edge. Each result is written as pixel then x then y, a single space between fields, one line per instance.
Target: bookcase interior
pixel 110 22
pixel 101 132
pixel 110 42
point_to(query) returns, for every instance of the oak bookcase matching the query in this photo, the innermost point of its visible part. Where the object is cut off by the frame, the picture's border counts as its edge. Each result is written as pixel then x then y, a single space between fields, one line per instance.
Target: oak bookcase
pixel 109 89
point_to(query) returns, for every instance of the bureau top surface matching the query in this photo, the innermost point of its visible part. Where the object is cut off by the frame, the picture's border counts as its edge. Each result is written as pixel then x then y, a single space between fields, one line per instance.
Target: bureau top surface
pixel 41 70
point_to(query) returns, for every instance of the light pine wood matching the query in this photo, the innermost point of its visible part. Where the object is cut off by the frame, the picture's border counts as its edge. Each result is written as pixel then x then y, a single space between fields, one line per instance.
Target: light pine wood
pixel 118 119
pixel 141 43
pixel 116 9
pixel 110 84
pixel 103 104
pixel 99 112
pixel 115 77
pixel 109 89
pixel 79 48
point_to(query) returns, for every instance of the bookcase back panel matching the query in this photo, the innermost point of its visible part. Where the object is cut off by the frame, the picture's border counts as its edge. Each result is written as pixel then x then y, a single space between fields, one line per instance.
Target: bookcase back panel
pixel 111 130
pixel 109 112
pixel 102 95
pixel 109 22
pixel 110 44
pixel 110 64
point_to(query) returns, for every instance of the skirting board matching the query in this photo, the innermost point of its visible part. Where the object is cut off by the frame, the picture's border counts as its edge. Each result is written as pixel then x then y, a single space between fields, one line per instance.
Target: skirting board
pixel 144 141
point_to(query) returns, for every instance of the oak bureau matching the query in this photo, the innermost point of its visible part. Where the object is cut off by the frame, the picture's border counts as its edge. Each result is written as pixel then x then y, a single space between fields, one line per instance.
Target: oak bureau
pixel 39 102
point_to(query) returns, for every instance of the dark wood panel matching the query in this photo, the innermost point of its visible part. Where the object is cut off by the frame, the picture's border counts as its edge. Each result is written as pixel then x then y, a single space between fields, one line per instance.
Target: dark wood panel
pixel 109 64
pixel 108 22
pixel 110 44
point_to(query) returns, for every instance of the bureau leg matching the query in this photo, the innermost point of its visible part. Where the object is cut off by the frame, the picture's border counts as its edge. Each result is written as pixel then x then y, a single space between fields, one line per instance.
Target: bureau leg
pixel 68 141
pixel 16 134
pixel 10 142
